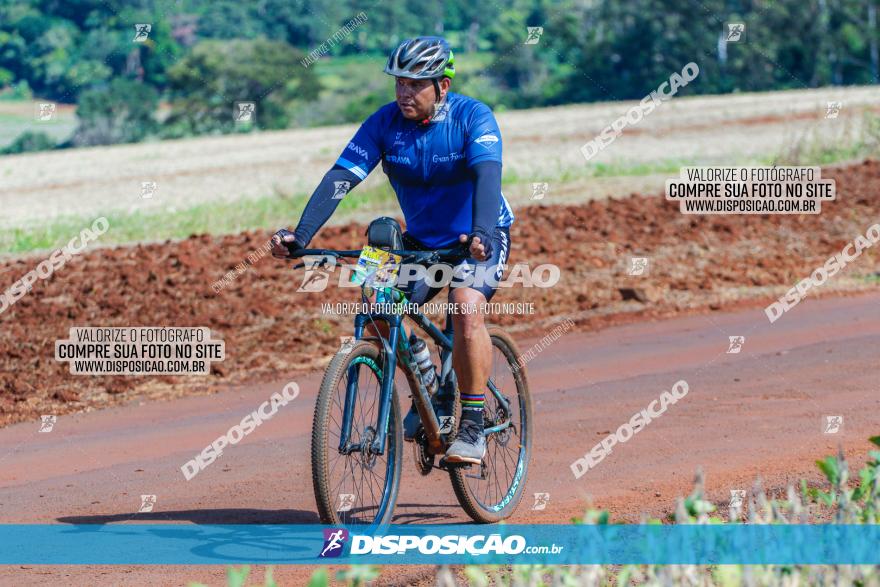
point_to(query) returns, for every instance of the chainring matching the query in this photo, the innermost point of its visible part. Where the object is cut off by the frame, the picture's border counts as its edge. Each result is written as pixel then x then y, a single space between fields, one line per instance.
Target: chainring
pixel 424 460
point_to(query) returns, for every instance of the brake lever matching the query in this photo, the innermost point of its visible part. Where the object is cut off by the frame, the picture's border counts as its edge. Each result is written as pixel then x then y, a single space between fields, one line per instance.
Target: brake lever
pixel 318 265
pixel 419 258
pixel 461 253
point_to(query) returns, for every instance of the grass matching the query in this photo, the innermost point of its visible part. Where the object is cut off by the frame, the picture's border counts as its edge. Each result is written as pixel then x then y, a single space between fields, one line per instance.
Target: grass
pixel 271 212
pixel 17 116
pixel 848 499
pixel 622 168
pixel 268 212
pixel 618 168
pixel 856 140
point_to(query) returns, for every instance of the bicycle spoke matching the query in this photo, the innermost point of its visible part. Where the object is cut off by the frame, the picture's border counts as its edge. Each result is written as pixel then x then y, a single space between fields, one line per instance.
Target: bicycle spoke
pixel 501 491
pixel 340 488
pixel 501 461
pixel 372 495
pixel 361 474
pixel 504 459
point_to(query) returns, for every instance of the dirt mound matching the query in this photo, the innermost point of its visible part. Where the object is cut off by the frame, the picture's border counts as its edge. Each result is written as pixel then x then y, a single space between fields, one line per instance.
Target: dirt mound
pixel 695 263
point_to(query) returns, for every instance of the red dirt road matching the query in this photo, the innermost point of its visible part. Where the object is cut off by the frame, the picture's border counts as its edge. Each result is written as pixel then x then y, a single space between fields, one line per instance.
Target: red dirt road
pixel 696 263
pixel 756 413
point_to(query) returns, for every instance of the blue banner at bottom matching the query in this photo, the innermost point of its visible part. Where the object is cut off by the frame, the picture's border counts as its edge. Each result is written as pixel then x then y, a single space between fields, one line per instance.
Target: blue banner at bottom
pixel 181 544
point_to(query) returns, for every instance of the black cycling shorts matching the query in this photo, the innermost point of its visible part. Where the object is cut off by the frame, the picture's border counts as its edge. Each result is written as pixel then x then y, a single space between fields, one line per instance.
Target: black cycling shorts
pixel 483 276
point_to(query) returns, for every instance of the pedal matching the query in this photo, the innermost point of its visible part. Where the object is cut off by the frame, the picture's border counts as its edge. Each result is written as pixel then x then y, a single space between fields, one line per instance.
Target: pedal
pixel 444 464
pixel 450 466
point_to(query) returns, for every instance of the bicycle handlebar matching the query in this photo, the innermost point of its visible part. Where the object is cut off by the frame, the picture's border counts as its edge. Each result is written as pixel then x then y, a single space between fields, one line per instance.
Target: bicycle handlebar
pixel 436 256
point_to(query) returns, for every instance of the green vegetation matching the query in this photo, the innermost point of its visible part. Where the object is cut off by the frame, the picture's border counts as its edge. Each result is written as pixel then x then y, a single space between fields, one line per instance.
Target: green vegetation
pixel 29 141
pixel 208 82
pixel 200 57
pixel 120 113
pixel 847 500
pixel 269 212
pixel 17 121
pixel 618 169
pixel 231 217
pixel 858 139
pixel 238 578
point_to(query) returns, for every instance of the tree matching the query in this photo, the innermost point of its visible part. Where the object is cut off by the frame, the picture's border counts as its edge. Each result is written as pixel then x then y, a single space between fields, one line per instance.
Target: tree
pixel 208 82
pixel 29 141
pixel 121 112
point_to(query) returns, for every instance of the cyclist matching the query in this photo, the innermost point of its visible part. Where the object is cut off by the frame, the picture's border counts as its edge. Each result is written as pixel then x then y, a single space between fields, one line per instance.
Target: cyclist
pixel 441 152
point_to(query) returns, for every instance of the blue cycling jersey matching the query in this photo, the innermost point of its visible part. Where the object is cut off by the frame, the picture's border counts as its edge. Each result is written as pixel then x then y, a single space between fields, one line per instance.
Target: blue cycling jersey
pixel 429 166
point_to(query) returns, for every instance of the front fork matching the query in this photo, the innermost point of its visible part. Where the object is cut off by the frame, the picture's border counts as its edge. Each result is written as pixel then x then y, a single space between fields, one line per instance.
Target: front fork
pixel 385 393
pixel 397 340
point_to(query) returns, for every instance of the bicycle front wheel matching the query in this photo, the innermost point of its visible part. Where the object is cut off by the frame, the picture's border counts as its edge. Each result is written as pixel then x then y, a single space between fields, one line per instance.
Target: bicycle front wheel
pixel 355 485
pixel 491 492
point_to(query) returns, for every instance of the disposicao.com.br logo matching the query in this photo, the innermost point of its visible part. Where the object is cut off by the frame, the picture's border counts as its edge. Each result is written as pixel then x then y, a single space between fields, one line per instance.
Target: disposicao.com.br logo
pixel 430 544
pixel 334 542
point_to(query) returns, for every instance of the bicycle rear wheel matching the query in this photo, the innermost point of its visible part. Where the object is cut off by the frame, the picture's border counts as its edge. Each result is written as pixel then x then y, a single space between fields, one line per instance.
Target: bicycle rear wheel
pixel 491 492
pixel 360 487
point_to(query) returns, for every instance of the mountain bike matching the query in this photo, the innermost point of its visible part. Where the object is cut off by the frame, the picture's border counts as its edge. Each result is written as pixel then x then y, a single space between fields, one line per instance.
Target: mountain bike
pixel 357 439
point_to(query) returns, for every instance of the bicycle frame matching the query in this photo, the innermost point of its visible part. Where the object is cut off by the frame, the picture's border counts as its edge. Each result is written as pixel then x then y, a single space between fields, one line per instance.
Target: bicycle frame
pixel 398 340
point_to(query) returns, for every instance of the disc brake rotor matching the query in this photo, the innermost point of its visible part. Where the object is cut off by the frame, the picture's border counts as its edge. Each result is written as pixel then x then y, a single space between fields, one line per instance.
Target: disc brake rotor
pixel 368 457
pixel 500 416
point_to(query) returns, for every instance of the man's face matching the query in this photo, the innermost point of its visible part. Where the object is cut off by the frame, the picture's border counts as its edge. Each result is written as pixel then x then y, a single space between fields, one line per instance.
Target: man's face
pixel 416 97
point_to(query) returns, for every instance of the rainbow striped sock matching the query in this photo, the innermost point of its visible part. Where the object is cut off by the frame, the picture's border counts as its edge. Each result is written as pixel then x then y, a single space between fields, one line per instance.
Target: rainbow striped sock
pixel 472 405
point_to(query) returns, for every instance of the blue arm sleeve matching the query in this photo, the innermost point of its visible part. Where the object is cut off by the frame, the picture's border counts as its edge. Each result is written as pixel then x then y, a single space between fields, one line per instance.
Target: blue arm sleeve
pixel 358 158
pixel 487 201
pixel 483 153
pixel 336 184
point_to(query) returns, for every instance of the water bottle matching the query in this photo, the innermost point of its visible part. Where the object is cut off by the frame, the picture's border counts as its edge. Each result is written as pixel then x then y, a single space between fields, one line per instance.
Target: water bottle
pixel 426 367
